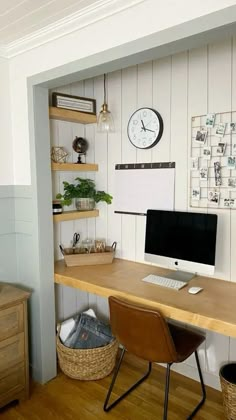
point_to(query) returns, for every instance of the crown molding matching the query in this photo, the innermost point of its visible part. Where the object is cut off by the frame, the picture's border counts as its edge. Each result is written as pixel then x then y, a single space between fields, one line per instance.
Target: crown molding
pixel 74 22
pixel 3 52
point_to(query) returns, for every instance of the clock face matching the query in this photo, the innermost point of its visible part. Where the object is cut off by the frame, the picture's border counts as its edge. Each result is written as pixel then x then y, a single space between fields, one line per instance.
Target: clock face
pixel 145 128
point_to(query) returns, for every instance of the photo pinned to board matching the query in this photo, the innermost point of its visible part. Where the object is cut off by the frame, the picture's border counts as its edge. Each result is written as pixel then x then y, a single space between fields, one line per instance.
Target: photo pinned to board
pixel 213 197
pixel 217 170
pixel 232 183
pixel 196 193
pixel 220 151
pixel 229 202
pixel 231 162
pixel 220 129
pixel 210 120
pixel 206 153
pixel 203 173
pixel 201 136
pixel 232 127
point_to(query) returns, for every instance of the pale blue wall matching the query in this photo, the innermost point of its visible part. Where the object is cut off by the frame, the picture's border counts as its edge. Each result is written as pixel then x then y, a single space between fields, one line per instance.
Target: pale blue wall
pixel 17 257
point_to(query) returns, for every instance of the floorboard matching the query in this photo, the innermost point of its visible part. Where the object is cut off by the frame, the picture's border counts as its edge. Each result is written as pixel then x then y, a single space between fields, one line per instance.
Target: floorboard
pixel 65 398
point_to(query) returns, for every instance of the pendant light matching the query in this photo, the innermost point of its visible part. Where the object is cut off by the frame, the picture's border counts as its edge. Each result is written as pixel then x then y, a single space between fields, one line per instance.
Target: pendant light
pixel 105 119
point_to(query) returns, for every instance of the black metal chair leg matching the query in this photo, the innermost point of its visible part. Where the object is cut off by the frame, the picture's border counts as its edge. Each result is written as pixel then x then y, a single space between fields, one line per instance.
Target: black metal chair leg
pixel 108 408
pixel 202 386
pixel 167 391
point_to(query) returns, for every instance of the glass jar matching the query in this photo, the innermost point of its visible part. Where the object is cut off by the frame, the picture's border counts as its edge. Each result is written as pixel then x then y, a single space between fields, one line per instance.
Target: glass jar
pixel 56 207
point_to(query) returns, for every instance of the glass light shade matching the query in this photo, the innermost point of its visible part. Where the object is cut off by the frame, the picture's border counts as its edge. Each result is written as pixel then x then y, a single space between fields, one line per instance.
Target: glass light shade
pixel 105 120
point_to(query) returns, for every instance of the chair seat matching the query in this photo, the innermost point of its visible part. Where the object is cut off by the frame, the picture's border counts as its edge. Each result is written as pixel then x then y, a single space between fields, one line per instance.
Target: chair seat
pixel 185 341
pixel 147 334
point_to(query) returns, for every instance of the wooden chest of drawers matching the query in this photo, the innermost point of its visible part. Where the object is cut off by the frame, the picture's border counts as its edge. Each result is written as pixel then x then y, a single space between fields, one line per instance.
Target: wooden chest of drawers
pixel 14 370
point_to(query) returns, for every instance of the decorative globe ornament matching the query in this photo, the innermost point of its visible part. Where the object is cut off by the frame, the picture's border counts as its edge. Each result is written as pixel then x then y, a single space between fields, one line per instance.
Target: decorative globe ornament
pixel 80 146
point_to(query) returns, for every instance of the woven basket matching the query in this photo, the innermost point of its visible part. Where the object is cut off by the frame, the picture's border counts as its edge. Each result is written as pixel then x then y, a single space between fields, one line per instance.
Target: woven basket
pixel 87 364
pixel 229 391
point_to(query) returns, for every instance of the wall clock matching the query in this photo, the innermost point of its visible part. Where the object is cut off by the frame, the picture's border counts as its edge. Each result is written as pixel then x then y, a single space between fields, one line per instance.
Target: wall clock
pixel 145 128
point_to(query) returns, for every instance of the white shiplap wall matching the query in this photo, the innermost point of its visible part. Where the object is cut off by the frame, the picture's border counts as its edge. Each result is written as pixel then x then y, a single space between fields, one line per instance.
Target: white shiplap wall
pixel 190 83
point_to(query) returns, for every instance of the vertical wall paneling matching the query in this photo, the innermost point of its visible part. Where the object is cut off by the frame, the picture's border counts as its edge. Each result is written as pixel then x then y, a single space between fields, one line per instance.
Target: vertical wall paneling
pixel 197 105
pixel 90 157
pixel 162 102
pixel 197 83
pixel 191 83
pixel 8 266
pixel 114 156
pixel 129 155
pixel 66 228
pixel 233 214
pixel 145 99
pixel 232 354
pixel 80 299
pixel 100 148
pixel 101 157
pixel 179 125
pixel 219 100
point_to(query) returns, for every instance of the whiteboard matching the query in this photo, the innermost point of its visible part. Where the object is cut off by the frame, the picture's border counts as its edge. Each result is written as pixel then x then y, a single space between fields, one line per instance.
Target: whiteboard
pixel 139 187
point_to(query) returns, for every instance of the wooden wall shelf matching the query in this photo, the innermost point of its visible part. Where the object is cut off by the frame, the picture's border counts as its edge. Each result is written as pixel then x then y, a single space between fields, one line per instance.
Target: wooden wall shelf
pixel 72 116
pixel 82 167
pixel 74 215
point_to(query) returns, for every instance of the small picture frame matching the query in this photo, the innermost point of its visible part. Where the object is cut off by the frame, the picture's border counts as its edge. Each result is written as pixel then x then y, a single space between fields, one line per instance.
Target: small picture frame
pixel 231 162
pixel 195 193
pixel 210 120
pixel 201 136
pixel 220 151
pixel 194 162
pixel 213 197
pixel 220 129
pixel 232 183
pixel 203 174
pixel 74 103
pixel 206 153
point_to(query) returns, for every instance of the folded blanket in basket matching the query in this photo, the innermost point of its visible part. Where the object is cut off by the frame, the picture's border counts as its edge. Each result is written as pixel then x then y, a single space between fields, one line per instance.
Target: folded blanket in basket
pixel 88 332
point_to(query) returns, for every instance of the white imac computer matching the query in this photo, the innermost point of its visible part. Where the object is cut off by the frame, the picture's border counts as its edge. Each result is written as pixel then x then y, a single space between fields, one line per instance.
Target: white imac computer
pixel 182 241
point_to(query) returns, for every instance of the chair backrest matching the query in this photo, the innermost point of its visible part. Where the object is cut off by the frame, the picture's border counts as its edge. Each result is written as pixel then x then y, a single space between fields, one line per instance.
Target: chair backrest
pixel 142 331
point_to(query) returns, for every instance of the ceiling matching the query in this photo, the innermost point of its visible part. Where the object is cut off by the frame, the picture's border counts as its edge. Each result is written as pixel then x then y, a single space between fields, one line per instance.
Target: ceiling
pixel 20 18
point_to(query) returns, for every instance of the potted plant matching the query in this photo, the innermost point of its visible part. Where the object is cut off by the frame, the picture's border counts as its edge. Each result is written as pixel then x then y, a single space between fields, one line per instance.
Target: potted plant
pixel 85 194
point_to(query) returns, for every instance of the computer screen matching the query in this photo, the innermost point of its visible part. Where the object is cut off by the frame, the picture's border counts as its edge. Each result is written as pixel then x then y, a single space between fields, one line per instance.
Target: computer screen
pixel 182 240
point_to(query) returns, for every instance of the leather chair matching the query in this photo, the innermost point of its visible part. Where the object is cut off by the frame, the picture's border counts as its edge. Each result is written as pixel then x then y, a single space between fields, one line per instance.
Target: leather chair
pixel 145 333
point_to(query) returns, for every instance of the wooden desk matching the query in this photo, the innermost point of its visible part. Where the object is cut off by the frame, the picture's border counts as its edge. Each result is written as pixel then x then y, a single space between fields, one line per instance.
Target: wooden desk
pixel 212 309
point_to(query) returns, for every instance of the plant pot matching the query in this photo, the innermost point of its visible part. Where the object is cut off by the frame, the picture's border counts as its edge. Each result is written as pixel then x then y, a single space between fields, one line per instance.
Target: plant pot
pixel 83 204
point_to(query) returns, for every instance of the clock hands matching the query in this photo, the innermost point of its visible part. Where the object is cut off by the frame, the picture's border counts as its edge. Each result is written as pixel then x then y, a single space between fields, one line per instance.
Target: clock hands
pixel 143 126
pixel 146 129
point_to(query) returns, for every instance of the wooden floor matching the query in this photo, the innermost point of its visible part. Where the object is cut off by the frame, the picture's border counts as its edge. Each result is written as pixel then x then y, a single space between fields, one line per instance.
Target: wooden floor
pixel 64 398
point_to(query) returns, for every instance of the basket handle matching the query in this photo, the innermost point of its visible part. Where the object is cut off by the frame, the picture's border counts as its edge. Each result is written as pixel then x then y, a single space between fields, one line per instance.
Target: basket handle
pixel 114 245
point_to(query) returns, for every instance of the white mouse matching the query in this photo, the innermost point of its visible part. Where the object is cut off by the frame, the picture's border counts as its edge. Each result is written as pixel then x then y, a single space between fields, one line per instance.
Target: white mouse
pixel 194 290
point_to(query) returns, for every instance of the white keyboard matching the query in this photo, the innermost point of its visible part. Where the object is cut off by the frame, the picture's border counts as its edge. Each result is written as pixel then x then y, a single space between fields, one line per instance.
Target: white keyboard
pixel 164 281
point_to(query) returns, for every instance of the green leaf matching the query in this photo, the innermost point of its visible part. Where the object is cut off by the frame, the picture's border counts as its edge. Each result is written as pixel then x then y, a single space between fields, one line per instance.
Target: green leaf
pixel 82 188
